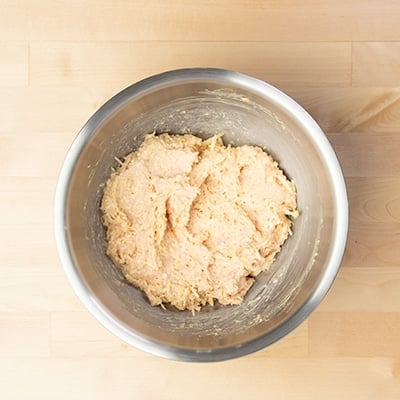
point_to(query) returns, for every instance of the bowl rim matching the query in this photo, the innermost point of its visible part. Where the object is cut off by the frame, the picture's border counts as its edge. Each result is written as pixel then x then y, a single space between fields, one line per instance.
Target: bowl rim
pixel 223 76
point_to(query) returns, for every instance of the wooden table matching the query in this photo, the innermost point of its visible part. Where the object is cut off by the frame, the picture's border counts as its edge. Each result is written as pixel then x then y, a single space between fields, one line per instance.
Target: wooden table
pixel 60 60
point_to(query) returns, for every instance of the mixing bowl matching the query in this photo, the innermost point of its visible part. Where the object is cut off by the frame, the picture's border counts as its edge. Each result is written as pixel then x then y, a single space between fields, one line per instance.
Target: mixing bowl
pixel 247 111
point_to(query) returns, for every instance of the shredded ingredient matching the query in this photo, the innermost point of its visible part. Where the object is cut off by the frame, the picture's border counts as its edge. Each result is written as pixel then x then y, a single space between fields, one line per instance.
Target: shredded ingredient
pixel 191 221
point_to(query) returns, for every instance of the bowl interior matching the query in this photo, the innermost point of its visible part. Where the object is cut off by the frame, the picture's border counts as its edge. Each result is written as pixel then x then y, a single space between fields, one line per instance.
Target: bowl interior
pixel 202 107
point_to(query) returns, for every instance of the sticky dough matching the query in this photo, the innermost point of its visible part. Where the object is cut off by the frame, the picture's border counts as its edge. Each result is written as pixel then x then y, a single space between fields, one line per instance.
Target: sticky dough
pixel 191 221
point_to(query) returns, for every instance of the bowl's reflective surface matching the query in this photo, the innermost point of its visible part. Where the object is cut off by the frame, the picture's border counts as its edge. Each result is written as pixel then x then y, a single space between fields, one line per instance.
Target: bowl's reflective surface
pixel 204 102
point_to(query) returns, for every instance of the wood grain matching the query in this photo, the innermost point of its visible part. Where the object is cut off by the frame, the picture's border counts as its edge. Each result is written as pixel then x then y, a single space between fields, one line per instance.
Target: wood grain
pixel 369 109
pixel 372 245
pixel 374 199
pixel 28 288
pixel 41 109
pixel 59 61
pixel 172 20
pixel 14 341
pixel 27 226
pixel 77 63
pixel 13 64
pixel 355 334
pixel 385 68
pixel 364 154
pixel 364 290
pixel 41 157
pixel 299 379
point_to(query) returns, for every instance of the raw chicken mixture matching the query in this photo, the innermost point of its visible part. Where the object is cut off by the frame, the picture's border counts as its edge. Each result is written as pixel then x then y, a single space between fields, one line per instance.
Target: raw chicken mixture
pixel 191 221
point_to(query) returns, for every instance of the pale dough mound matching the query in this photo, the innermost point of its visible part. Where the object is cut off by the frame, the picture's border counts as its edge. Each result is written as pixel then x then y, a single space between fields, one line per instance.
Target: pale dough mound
pixel 191 221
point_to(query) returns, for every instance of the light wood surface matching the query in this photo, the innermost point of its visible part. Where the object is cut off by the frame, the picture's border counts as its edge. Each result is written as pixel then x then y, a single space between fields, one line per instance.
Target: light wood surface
pixel 60 60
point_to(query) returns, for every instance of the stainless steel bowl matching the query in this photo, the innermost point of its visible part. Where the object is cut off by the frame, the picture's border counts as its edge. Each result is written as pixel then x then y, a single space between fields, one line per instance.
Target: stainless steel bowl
pixel 247 111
